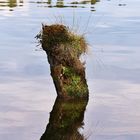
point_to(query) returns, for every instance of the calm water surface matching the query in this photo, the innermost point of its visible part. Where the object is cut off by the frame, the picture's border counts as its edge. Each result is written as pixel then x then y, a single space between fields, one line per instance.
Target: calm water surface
pixel 27 94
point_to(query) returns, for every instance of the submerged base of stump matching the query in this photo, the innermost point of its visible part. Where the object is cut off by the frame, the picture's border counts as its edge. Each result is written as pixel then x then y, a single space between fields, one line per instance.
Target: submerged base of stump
pixel 63 49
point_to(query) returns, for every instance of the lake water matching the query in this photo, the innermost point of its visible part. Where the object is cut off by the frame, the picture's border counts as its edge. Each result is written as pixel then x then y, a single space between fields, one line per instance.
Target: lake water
pixel 27 93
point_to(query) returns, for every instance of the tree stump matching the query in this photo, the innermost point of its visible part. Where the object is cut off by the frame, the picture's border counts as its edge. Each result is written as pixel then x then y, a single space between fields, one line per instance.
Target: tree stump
pixel 63 49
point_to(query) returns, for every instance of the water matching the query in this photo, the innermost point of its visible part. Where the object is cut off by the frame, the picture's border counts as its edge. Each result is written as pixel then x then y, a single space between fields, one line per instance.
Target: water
pixel 27 93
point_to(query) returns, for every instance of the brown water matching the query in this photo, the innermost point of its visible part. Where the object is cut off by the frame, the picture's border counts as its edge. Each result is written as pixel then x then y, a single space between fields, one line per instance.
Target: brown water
pixel 27 93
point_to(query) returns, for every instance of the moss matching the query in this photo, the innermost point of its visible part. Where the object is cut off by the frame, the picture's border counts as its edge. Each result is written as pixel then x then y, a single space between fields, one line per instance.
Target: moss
pixel 68 71
pixel 76 106
pixel 76 87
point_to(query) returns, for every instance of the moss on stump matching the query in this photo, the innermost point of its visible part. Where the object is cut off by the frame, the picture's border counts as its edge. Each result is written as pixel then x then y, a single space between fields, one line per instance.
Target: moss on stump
pixel 64 49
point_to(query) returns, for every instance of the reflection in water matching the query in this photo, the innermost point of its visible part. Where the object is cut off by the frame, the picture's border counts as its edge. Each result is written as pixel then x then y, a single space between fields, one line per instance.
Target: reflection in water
pixel 60 3
pixel 66 4
pixel 93 2
pixel 21 2
pixel 66 119
pixel 49 1
pixel 11 3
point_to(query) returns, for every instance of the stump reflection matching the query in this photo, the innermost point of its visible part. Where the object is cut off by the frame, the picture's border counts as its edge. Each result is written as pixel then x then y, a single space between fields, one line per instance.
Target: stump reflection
pixel 65 120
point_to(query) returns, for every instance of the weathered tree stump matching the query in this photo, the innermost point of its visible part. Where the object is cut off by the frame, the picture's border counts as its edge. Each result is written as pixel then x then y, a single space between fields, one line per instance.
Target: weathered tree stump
pixel 64 49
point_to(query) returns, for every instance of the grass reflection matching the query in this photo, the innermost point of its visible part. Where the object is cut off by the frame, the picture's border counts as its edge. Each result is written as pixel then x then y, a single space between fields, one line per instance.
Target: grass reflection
pixel 66 4
pixel 94 1
pixel 49 3
pixel 11 4
pixel 60 3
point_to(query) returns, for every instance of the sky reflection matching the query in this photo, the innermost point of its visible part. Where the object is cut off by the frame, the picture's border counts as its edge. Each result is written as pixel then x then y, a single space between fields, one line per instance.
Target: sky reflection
pixel 27 92
pixel 113 113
